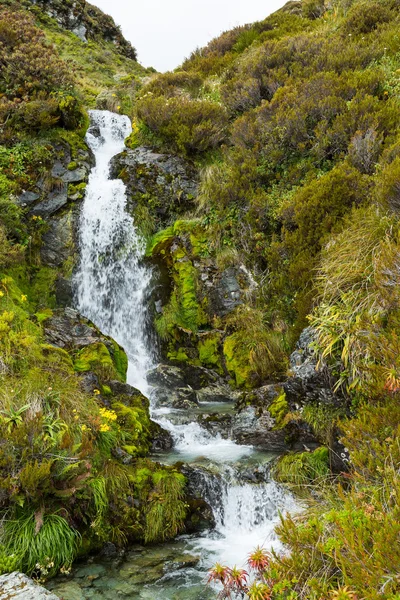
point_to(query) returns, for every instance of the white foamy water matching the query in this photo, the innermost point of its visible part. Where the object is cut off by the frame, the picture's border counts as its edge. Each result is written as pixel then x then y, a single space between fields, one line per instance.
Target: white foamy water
pixel 112 289
pixel 111 282
pixel 193 441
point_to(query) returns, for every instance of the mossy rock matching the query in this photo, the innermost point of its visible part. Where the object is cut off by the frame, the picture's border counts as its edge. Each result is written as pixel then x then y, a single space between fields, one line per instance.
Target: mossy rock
pixel 237 360
pixel 278 409
pixel 96 358
pixel 158 244
pixel 120 360
pixel 209 351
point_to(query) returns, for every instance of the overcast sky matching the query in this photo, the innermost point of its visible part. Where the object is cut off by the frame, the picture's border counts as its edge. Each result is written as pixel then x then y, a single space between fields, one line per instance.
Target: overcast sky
pixel 164 32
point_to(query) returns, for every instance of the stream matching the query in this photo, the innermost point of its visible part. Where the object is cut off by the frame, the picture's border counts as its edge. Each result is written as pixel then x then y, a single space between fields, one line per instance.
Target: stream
pixel 113 286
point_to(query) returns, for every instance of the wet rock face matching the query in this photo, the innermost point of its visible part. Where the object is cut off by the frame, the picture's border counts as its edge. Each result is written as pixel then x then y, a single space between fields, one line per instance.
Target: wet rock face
pixel 68 329
pixel 17 586
pixel 184 387
pixel 306 382
pixel 262 433
pixel 163 185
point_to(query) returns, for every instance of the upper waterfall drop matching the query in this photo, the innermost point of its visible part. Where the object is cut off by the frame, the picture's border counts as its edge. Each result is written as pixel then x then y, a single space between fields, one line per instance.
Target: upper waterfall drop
pixel 111 252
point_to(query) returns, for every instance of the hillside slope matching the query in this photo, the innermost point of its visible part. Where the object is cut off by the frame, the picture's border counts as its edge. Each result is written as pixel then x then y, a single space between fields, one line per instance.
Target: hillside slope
pixel 275 207
pixel 74 437
pixel 293 126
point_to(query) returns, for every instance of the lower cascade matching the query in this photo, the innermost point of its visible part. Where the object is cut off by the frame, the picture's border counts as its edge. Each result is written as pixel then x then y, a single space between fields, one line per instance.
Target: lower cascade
pixel 112 287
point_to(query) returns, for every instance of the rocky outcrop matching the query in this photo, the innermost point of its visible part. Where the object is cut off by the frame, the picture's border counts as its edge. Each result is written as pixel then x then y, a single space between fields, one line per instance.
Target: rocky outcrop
pixel 307 381
pixel 263 433
pixel 185 386
pixel 54 204
pixel 87 22
pixel 162 186
pixel 92 352
pixel 17 586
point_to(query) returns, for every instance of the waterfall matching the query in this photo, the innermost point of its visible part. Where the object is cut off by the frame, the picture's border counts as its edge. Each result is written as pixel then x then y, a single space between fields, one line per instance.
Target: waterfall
pixel 112 286
pixel 112 283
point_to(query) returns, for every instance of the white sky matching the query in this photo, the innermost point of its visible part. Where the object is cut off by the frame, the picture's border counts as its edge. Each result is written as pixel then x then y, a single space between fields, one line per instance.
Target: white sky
pixel 164 32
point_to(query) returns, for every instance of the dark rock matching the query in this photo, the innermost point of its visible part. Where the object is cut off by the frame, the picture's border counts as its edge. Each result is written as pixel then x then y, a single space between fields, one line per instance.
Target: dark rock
pixel 126 393
pixel 78 175
pixel 68 329
pixel 226 294
pixel 64 292
pixel 224 291
pixel 53 202
pixel 58 240
pixel 28 198
pixel 166 183
pixel 109 550
pixel 181 398
pixel 186 386
pixel 161 439
pixel 89 382
pixel 94 130
pixel 308 383
pixel 200 515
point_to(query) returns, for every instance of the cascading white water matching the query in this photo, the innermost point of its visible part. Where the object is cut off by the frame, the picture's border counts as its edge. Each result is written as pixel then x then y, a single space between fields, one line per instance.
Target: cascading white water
pixel 112 286
pixel 111 282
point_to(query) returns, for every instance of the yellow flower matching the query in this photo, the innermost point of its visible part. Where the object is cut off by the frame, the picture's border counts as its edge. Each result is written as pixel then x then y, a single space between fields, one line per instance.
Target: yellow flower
pixel 84 428
pixel 114 95
pixel 118 107
pixel 110 415
pixel 96 392
pixel 1 294
pixel 24 298
pixel 104 427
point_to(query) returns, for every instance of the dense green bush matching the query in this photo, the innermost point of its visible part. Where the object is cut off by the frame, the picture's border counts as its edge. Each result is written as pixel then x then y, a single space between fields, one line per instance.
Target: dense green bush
pixel 36 86
pixel 190 126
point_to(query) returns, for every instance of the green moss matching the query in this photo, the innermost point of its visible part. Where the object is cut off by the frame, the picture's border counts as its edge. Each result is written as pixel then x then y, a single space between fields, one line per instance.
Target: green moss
pixel 120 360
pixel 57 356
pixel 278 409
pixel 72 166
pixel 96 358
pixel 209 354
pixel 178 355
pixel 43 315
pixel 77 191
pixel 160 242
pixel 237 360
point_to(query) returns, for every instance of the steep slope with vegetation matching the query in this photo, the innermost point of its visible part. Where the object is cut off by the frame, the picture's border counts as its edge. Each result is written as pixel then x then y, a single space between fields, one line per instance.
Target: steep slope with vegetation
pixel 74 438
pixel 293 125
pixel 280 211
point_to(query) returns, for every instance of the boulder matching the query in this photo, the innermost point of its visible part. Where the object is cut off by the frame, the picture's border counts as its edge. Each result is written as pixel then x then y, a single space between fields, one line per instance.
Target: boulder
pixel 186 386
pixel 58 240
pixel 68 329
pixel 263 433
pixel 307 382
pixel 161 439
pixel 53 202
pixel 164 184
pixel 28 198
pixel 17 586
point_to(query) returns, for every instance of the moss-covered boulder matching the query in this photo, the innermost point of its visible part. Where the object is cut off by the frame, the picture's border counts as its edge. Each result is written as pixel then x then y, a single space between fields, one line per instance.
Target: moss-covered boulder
pixel 194 320
pixel 92 351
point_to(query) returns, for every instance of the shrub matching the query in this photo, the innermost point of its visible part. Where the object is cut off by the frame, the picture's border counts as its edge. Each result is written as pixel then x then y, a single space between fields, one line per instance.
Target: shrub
pixel 364 17
pixel 303 468
pixel 356 319
pixel 191 126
